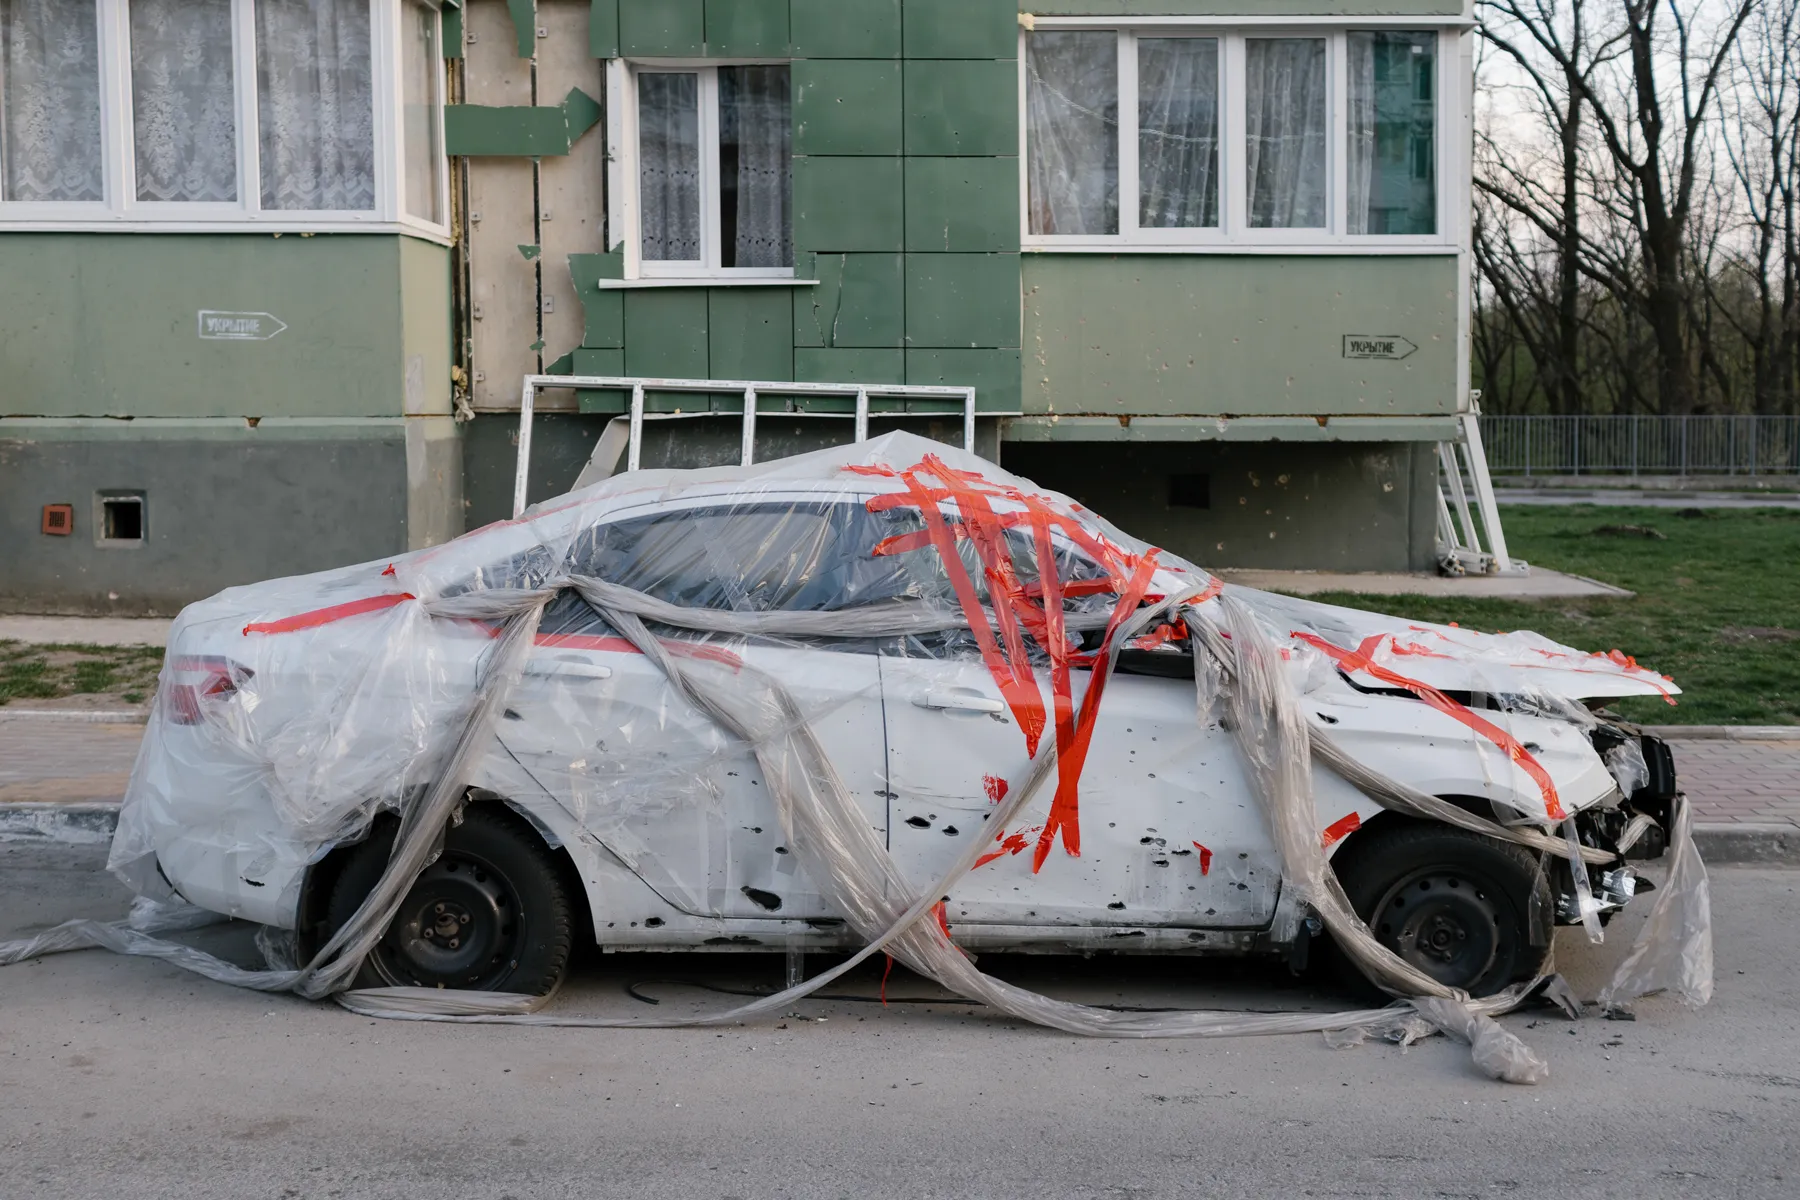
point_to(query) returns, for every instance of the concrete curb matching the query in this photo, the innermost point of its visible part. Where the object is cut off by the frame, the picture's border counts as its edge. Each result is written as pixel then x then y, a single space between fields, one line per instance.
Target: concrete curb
pixel 73 824
pixel 116 716
pixel 88 824
pixel 1725 733
pixel 1766 845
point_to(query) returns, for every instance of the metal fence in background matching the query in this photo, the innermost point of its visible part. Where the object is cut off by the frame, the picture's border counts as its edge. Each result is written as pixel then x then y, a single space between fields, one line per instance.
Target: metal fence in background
pixel 1648 445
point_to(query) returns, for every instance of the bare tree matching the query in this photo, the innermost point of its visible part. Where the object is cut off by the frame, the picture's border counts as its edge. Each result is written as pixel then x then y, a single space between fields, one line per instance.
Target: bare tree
pixel 1551 44
pixel 1653 126
pixel 1761 136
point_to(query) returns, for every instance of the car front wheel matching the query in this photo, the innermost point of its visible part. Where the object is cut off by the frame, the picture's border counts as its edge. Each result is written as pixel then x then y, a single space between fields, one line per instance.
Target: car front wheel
pixel 491 914
pixel 1471 912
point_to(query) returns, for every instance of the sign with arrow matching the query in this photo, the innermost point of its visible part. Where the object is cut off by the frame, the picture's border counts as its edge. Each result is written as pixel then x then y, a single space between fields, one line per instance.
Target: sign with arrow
pixel 238 326
pixel 1377 345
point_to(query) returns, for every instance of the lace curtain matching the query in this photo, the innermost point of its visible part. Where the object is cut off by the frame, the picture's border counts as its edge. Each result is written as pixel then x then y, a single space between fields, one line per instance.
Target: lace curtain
pixel 50 101
pixel 184 123
pixel 1072 132
pixel 1178 133
pixel 314 105
pixel 756 179
pixel 1285 141
pixel 669 172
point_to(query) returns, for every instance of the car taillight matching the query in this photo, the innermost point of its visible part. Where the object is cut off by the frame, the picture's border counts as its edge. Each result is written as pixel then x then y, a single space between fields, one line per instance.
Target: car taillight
pixel 194 679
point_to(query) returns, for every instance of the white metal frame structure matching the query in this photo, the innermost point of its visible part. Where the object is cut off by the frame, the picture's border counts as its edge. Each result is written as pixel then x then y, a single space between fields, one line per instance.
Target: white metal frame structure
pixel 1462 549
pixel 752 391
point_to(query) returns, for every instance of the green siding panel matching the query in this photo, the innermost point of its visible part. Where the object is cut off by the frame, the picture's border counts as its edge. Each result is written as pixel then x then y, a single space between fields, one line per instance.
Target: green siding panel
pixel 746 27
pixel 968 107
pixel 662 28
pixel 750 331
pixel 1252 335
pixel 600 362
pixel 523 131
pixel 962 204
pixel 665 333
pixel 452 32
pixel 603 308
pixel 859 301
pixel 962 29
pixel 849 366
pixel 104 324
pixel 849 204
pixel 994 374
pixel 603 29
pixel 524 19
pixel 1250 9
pixel 846 107
pixel 967 300
pixel 846 28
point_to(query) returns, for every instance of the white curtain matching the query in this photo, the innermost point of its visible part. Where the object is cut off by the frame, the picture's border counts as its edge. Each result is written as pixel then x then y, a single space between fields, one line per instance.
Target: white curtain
pixel 314 104
pixel 669 171
pixel 1178 133
pixel 183 116
pixel 50 101
pixel 1072 132
pixel 1361 51
pixel 1285 131
pixel 754 123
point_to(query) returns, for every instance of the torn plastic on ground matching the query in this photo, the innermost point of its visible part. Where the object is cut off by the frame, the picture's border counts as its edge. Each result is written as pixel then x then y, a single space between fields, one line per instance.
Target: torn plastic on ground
pixel 955 571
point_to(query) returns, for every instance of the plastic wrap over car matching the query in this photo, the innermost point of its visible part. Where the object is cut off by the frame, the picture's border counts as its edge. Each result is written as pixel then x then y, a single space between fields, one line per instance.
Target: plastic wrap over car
pixel 667 623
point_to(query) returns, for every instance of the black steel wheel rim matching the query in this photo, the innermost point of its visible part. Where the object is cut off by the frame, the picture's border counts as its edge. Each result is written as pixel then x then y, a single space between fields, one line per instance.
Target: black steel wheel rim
pixel 1442 921
pixel 460 926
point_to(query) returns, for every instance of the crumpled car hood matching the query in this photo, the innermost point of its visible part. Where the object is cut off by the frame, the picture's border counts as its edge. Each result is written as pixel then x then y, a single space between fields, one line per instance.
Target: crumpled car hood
pixel 1370 648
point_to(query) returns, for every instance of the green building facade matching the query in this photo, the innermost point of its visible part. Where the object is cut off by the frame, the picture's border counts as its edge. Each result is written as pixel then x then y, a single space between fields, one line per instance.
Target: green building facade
pixel 1207 271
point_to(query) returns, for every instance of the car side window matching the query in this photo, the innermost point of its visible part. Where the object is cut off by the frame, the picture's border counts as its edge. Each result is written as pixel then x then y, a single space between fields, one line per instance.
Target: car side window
pixel 759 558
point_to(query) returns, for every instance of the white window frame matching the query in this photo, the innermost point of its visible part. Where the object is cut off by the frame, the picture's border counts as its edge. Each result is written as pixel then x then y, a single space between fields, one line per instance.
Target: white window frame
pixel 123 211
pixel 626 215
pixel 1233 234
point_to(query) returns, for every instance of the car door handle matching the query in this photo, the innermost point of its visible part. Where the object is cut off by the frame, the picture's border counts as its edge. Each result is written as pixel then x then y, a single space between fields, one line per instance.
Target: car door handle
pixel 959 702
pixel 579 668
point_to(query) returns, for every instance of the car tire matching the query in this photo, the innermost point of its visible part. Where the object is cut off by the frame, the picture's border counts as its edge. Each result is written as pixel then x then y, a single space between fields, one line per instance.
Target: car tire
pixel 491 914
pixel 1470 911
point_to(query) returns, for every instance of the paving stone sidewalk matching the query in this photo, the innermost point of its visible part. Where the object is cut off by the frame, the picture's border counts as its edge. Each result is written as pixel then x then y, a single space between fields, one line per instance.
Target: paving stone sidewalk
pixel 46 760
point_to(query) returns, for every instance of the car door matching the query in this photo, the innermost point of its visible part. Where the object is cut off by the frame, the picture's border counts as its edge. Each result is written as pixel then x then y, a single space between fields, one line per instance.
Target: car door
pixel 1169 832
pixel 674 797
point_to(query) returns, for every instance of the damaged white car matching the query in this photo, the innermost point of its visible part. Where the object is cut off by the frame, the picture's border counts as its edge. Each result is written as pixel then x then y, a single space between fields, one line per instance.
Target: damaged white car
pixel 937 624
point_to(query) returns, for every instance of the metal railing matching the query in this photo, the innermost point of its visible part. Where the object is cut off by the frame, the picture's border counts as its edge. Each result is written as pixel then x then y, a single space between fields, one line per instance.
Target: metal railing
pixel 754 393
pixel 1642 445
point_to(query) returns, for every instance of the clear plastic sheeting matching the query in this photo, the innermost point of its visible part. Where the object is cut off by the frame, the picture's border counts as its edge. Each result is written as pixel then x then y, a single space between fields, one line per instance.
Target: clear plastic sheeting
pixel 646 654
pixel 1673 951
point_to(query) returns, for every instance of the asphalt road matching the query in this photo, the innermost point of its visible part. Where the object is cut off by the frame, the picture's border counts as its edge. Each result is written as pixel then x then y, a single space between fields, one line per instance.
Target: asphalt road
pixel 128 1078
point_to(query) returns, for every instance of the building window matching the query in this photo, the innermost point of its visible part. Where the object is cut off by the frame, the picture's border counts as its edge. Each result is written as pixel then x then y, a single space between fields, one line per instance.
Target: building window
pixel 315 106
pixel 183 102
pixel 1393 133
pixel 50 102
pixel 714 174
pixel 421 101
pixel 1186 135
pixel 291 114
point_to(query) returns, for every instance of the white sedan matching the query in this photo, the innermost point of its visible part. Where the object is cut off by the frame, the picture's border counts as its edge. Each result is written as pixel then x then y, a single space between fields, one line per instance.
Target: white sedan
pixel 296 717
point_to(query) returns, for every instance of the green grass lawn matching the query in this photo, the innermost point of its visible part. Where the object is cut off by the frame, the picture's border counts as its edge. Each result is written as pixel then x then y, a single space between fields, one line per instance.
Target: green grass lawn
pixel 1717 605
pixel 31 672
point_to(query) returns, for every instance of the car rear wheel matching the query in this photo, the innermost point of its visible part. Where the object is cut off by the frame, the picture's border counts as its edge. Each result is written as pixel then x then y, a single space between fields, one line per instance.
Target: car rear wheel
pixel 491 914
pixel 1471 912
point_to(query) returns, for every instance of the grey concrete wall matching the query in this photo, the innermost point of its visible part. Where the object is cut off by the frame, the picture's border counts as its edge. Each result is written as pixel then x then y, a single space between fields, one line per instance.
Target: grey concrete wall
pixel 562 442
pixel 1326 507
pixel 224 504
